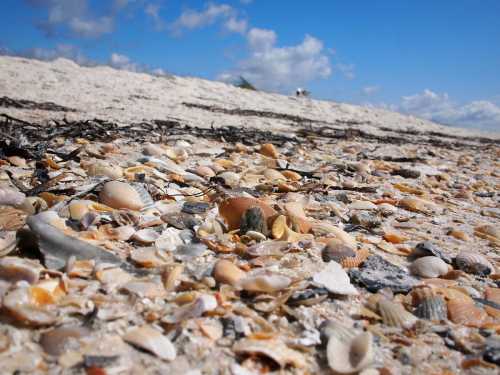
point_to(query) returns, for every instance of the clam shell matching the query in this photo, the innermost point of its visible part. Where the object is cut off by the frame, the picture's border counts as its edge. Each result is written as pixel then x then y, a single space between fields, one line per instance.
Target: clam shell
pixel 335 279
pixel 146 236
pixel 429 267
pixel 118 195
pixel 204 171
pixel 228 273
pixel 104 169
pixel 394 314
pixel 474 263
pixel 348 352
pixel 432 308
pixel 153 341
pixel 266 283
pixel 269 150
pixel 232 209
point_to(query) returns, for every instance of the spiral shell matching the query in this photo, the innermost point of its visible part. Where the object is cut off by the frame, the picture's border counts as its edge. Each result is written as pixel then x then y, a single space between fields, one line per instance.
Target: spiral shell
pixel 474 263
pixel 394 314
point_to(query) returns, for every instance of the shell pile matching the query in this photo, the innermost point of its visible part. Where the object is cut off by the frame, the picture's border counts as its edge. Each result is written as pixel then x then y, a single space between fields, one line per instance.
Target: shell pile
pixel 200 256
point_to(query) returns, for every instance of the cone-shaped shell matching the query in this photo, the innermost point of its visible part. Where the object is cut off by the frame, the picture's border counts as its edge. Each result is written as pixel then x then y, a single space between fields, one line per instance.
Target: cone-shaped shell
pixel 232 209
pixel 429 267
pixel 394 314
pixel 118 195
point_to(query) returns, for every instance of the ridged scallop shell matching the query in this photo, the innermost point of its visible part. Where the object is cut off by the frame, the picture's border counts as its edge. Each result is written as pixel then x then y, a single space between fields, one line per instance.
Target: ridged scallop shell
pixel 352 262
pixel 347 351
pixel 394 314
pixel 432 308
pixel 474 263
pixel 466 313
pixel 429 267
pixel 420 294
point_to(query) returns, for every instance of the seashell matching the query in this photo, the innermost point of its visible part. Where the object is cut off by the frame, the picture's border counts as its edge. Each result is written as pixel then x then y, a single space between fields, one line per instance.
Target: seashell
pixel 348 352
pixel 227 272
pixel 458 234
pixel 14 269
pixel 271 348
pixel 473 263
pixel 153 150
pixel 146 236
pixel 100 168
pixel 269 150
pixel 394 314
pixel 488 232
pixel 365 219
pixel 429 267
pixel 427 248
pixel 30 305
pixel 298 217
pixel 204 171
pixel 17 161
pixel 336 251
pixel 224 163
pixel 266 283
pixel 170 276
pixel 281 231
pixel 232 209
pixel 273 175
pixel 394 237
pixel 267 248
pixel 146 257
pixel 387 209
pixel 52 199
pixel 33 205
pixel 10 197
pixel 257 236
pixel 169 240
pixel 335 279
pixel 118 195
pixel 80 268
pixel 362 205
pixel 8 243
pixel 432 308
pixel 78 209
pixel 253 220
pixel 144 289
pixel 308 297
pixel 291 175
pixel 230 179
pixel 333 231
pixel 150 339
pixel 465 313
pixel 492 294
pixel 195 309
pixel 359 257
pixel 56 341
pixel 416 205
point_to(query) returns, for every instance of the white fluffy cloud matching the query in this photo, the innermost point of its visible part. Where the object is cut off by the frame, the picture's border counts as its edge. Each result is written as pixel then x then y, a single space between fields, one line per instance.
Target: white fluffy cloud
pixel 75 15
pixel 440 108
pixel 191 19
pixel 274 68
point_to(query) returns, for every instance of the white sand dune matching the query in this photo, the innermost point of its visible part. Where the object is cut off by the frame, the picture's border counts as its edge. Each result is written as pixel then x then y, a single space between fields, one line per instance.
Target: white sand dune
pixel 122 96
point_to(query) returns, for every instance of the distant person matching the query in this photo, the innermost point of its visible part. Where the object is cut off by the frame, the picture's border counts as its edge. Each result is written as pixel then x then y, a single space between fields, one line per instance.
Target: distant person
pixel 300 92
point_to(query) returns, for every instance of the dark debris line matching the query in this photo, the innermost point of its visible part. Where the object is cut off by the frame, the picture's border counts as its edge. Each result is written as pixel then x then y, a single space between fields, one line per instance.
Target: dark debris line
pixel 29 104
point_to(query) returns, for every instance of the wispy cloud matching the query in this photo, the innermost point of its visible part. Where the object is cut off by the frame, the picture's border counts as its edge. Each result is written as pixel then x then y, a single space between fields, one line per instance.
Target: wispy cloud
pixel 153 11
pixel 280 69
pixel 370 90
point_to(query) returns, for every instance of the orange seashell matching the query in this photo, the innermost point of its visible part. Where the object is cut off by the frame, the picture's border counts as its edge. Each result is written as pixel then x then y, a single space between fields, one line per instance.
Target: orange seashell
pixel 51 198
pixel 217 247
pixel 491 311
pixel 51 163
pixel 269 150
pixel 492 294
pixel 40 296
pixel 225 163
pixel 466 313
pixel 291 175
pixel 394 237
pixel 386 200
pixel 232 209
pixel 452 294
pixel 360 257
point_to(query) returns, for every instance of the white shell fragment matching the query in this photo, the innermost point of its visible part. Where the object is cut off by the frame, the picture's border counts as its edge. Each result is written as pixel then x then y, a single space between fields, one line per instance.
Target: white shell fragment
pixel 335 279
pixel 153 341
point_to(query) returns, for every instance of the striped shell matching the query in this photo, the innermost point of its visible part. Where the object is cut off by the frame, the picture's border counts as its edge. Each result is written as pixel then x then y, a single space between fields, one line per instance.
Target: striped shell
pixel 429 267
pixel 432 308
pixel 474 263
pixel 394 314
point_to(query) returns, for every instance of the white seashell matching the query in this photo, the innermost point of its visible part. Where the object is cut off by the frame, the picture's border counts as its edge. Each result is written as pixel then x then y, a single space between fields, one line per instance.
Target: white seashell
pixel 267 283
pixel 197 308
pixel 429 267
pixel 101 168
pixel 347 351
pixel 10 197
pixel 153 150
pixel 273 348
pixel 8 243
pixel 152 340
pixel 146 236
pixel 362 205
pixel 33 205
pixel 273 175
pixel 169 240
pixel 326 229
pixel 23 305
pixel 230 178
pixel 14 269
pixel 124 233
pixel 335 279
pixel 118 195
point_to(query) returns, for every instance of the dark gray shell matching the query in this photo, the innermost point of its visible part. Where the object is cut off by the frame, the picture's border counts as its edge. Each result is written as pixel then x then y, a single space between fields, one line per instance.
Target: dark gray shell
pixel 432 308
pixel 253 220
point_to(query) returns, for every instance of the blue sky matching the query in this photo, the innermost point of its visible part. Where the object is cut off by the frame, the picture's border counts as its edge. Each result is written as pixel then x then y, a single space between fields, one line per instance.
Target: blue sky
pixel 435 59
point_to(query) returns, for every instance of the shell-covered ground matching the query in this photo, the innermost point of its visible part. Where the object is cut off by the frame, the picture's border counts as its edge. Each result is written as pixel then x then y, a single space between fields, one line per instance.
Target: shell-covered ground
pixel 154 247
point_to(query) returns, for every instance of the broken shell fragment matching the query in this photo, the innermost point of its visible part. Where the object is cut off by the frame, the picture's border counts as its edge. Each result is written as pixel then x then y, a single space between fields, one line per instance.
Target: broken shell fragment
pixel 228 273
pixel 265 283
pixel 489 232
pixel 10 197
pixel 272 348
pixel 153 341
pixel 253 220
pixel 269 150
pixel 335 279
pixel 118 195
pixel 429 267
pixel 55 342
pixel 394 314
pixel 14 269
pixel 30 305
pixel 348 352
pixel 282 232
pixel 103 169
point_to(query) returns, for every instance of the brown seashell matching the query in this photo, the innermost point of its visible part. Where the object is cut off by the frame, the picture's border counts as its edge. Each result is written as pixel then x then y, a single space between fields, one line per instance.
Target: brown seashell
pixel 352 262
pixel 271 348
pixel 492 294
pixel 416 205
pixel 474 263
pixel 232 209
pixel 153 341
pixel 52 199
pixel 14 269
pixel 394 237
pixel 458 234
pixel 17 161
pixel 204 171
pixel 170 276
pixel 394 314
pixel 118 195
pixel 228 273
pixel 429 267
pixel 489 232
pixel 269 150
pixel 466 313
pixel 291 175
pixel 337 251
